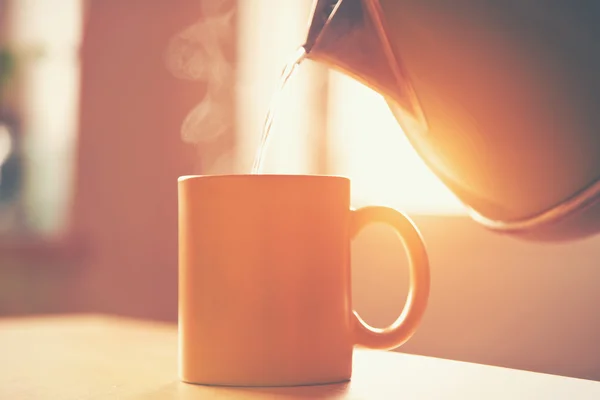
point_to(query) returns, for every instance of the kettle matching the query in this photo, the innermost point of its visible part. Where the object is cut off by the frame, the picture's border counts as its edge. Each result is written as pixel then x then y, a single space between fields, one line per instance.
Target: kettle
pixel 501 99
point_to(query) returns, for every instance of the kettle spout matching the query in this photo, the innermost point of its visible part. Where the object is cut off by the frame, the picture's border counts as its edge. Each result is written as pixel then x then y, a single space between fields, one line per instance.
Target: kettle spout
pixel 346 35
pixel 350 36
pixel 322 11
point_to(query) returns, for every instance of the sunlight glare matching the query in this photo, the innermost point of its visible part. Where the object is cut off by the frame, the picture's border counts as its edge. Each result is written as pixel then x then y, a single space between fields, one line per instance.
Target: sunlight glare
pixel 368 145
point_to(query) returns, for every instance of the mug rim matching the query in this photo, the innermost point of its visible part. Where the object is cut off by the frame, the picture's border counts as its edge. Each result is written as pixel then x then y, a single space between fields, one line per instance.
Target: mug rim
pixel 185 178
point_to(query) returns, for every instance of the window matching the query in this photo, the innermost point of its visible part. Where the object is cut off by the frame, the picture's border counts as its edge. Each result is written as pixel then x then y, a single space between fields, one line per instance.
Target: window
pixel 39 111
pixel 269 33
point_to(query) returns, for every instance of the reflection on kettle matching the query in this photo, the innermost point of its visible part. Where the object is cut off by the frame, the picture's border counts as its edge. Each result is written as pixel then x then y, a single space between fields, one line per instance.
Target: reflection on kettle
pixel 500 99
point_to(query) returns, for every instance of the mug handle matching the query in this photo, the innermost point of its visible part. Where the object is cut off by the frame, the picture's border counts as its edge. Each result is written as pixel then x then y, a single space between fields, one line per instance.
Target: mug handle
pixel 405 326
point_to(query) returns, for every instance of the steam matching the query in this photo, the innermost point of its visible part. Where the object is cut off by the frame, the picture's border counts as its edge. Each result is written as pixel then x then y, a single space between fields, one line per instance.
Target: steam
pixel 196 54
pixel 207 121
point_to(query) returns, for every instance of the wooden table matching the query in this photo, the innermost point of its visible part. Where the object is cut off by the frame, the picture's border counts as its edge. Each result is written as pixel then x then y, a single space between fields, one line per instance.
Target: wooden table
pixel 94 357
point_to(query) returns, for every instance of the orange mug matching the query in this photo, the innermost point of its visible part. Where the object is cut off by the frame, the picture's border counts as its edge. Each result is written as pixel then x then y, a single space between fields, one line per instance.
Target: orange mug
pixel 264 280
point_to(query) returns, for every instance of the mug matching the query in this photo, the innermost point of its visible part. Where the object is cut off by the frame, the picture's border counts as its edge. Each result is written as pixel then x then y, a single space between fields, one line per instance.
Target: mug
pixel 264 280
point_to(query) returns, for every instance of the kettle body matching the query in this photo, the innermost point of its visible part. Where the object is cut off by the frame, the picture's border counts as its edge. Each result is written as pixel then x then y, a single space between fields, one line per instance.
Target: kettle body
pixel 501 99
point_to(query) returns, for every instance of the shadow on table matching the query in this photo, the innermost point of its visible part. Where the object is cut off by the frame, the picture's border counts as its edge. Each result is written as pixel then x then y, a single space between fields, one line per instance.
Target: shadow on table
pixel 181 390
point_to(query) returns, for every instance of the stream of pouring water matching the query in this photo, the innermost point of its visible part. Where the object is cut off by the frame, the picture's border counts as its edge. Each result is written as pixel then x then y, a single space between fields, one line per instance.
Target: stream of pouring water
pixel 287 73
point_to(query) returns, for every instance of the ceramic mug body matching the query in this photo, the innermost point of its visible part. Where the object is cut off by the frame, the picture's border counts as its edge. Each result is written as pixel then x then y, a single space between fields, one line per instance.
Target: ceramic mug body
pixel 264 280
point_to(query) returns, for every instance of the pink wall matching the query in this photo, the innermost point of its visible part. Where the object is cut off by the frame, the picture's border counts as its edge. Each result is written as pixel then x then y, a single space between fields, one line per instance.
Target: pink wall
pixel 131 154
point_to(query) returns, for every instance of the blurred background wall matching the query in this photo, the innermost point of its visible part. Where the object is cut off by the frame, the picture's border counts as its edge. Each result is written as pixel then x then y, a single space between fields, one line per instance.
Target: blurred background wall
pixel 108 102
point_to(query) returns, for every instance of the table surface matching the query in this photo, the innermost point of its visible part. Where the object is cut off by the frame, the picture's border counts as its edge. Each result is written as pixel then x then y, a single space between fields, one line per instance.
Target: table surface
pixel 95 357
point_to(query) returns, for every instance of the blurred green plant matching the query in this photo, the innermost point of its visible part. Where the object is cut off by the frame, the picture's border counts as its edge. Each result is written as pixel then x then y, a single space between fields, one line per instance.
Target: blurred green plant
pixel 7 67
pixel 12 57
